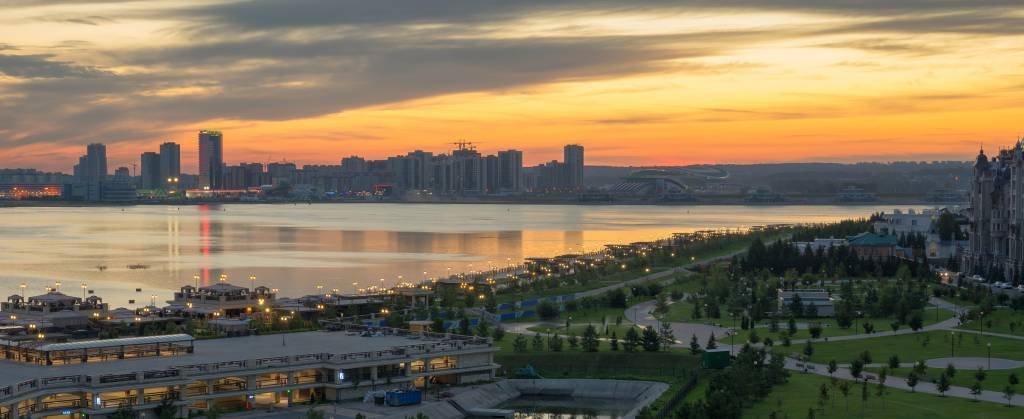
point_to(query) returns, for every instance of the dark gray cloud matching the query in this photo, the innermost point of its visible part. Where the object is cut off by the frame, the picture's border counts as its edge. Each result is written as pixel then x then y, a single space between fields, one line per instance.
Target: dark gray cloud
pixel 305 58
pixel 43 66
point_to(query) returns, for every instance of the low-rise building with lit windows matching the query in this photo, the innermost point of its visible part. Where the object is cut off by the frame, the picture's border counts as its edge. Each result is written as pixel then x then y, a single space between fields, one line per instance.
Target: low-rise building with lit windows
pixel 146 374
pixel 220 299
pixel 53 309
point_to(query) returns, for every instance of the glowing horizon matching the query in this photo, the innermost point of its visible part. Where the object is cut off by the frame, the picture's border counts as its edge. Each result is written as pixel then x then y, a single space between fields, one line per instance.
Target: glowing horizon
pixel 652 83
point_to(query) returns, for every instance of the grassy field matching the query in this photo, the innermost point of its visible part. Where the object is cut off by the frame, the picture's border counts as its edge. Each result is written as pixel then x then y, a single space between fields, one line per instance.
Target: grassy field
pixel 1000 322
pixel 619 277
pixel 682 311
pixel 801 393
pixel 578 329
pixel 995 380
pixel 916 346
pixel 611 279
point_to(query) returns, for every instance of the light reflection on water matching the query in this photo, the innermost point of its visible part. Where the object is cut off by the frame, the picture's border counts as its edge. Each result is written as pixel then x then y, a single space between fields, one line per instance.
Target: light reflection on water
pixel 296 247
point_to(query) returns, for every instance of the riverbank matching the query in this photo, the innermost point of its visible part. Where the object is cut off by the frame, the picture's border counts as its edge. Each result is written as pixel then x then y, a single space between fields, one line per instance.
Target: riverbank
pixel 491 201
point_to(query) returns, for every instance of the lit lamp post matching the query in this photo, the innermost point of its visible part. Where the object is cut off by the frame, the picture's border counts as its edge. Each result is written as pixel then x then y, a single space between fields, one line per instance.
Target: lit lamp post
pixel 84 286
pixel 23 286
pixel 252 282
pixel 195 278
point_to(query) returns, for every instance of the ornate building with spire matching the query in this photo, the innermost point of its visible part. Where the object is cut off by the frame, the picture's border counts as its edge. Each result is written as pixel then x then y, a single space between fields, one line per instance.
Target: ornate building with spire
pixel 996 242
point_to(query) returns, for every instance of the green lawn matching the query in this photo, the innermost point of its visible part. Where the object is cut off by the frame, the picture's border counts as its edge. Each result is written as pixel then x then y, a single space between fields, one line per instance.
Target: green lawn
pixel 610 279
pixel 681 311
pixel 794 398
pixel 995 380
pixel 579 328
pixel 916 346
pixel 1001 320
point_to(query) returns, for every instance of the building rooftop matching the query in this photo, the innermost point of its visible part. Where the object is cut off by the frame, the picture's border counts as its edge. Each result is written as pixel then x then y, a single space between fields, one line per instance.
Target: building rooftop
pixel 214 351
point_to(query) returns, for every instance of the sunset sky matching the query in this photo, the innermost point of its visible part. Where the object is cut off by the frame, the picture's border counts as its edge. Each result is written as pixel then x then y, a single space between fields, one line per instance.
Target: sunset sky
pixel 636 82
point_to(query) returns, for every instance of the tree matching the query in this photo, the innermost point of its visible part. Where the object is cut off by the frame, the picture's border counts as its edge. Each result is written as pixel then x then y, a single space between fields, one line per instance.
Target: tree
pixel 590 342
pixel 555 343
pixel 547 310
pixel 694 345
pixel 650 340
pixel 498 334
pixel 791 326
pixel 815 330
pixel 632 340
pixel 856 367
pixel 942 385
pixel 895 326
pixel 980 374
pixel 482 329
pixel 833 366
pixel 538 342
pixel 866 357
pixel 844 389
pixel 822 396
pixel 1008 393
pixel 519 344
pixel 863 396
pixel 916 322
pixel 661 306
pixel 754 338
pixel 894 361
pixel 574 341
pixel 950 370
pixel 613 344
pixel 976 389
pixel 1013 379
pixel 880 389
pixel 912 380
pixel 314 414
pixel 711 342
pixel 668 338
pixel 808 349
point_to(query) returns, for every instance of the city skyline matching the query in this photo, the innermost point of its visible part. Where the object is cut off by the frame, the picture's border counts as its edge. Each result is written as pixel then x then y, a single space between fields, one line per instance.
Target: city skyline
pixel 655 83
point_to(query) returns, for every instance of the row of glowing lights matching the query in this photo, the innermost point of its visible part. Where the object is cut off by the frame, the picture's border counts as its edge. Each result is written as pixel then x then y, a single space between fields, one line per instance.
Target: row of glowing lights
pixel 382 289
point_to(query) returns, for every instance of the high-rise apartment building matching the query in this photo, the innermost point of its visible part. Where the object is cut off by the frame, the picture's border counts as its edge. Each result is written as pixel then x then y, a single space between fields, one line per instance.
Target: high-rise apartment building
pixel 510 171
pixel 211 159
pixel 92 167
pixel 996 242
pixel 170 165
pixel 150 174
pixel 573 166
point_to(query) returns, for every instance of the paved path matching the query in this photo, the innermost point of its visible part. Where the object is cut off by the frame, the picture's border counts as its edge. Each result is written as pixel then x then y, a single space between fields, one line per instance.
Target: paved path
pixel 641 315
pixel 973 363
pixel 901 384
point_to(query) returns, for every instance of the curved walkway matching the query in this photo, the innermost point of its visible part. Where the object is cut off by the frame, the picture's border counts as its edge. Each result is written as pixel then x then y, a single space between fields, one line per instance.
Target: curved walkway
pixel 641 314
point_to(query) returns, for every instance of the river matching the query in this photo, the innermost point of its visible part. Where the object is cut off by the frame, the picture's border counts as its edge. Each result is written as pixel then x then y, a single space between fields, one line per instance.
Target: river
pixel 117 250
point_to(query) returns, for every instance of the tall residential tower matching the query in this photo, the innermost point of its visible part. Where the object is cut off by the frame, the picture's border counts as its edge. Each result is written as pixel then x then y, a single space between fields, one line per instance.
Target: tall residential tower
pixel 211 159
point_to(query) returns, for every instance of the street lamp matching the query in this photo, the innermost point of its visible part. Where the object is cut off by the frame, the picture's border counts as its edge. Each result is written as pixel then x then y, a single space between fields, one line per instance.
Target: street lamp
pixel 252 282
pixel 989 355
pixel 952 335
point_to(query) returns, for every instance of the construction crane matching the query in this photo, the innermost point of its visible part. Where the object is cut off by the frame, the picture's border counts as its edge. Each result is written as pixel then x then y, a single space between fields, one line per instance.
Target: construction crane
pixel 464 145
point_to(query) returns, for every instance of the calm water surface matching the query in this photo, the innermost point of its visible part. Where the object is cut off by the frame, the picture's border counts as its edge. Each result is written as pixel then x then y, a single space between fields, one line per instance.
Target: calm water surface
pixel 296 247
